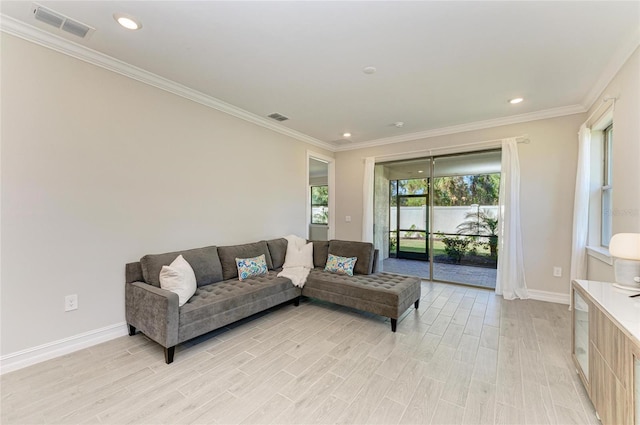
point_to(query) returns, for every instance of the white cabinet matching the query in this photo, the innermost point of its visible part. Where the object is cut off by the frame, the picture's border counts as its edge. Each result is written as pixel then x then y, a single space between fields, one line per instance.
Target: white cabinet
pixel 606 349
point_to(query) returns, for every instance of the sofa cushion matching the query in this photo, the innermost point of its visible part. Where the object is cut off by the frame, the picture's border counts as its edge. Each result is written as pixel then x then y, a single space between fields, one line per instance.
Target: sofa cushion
pixel 251 267
pixel 362 250
pixel 179 278
pixel 342 265
pixel 320 253
pixel 212 299
pixel 278 251
pixel 299 254
pixel 204 262
pixel 228 255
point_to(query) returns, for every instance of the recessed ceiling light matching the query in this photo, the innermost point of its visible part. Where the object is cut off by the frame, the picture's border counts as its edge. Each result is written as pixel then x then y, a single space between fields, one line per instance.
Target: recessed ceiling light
pixel 369 69
pixel 420 171
pixel 127 21
pixel 516 100
pixel 398 124
pixel 346 134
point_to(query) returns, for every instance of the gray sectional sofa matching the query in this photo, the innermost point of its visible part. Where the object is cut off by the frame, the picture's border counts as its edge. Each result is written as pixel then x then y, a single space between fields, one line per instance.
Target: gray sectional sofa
pixel 221 299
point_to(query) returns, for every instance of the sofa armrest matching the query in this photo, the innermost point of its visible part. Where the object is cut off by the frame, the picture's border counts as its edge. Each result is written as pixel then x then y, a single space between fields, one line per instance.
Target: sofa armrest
pixel 154 311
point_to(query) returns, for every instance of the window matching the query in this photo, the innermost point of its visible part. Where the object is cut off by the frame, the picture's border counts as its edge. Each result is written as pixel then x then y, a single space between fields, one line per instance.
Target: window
pixel 601 187
pixel 606 203
pixel 319 204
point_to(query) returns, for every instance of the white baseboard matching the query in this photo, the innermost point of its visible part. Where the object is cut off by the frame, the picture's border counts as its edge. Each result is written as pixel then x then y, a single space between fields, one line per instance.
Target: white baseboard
pixel 31 356
pixel 552 297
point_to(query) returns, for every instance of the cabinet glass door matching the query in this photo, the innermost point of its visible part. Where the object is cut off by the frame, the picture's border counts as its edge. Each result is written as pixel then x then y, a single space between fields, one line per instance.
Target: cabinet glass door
pixel 581 333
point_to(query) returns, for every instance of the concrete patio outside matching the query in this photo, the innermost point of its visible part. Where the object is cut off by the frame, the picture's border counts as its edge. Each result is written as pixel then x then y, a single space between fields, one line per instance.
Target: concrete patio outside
pixel 469 275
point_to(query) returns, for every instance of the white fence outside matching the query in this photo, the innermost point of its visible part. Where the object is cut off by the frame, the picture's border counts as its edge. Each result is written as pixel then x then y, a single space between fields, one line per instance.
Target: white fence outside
pixel 445 219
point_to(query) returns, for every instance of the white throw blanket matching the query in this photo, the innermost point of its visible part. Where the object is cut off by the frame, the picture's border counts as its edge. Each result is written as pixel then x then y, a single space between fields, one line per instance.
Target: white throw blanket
pixel 298 260
pixel 297 275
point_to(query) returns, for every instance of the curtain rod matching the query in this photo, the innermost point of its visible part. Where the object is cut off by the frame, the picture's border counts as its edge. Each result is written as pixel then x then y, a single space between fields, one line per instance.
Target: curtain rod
pixel 524 138
pixel 605 100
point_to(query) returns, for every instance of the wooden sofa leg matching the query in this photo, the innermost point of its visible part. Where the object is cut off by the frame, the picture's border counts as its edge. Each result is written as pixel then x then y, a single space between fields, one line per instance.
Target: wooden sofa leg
pixel 132 330
pixel 417 303
pixel 394 324
pixel 296 302
pixel 168 354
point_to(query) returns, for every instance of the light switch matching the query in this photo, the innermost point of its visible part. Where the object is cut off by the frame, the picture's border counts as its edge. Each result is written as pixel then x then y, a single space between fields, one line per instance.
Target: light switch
pixel 348 219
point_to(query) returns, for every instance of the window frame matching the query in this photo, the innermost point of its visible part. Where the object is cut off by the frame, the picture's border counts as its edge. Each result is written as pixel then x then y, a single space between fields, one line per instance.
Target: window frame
pixel 595 247
pixel 311 187
pixel 606 190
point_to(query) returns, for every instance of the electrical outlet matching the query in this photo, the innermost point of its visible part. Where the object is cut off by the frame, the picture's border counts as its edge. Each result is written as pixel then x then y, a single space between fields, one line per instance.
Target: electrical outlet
pixel 557 271
pixel 71 302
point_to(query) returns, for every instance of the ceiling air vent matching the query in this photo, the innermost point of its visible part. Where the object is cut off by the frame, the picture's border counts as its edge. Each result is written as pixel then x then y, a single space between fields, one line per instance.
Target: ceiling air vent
pixel 278 117
pixel 62 22
pixel 75 28
pixel 48 16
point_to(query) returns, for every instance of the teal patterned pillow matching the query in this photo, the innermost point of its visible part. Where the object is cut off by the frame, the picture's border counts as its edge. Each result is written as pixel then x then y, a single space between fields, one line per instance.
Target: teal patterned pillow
pixel 342 265
pixel 250 267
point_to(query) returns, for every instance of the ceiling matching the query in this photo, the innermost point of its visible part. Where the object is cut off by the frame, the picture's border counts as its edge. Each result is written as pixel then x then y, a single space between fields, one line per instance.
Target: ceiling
pixel 439 64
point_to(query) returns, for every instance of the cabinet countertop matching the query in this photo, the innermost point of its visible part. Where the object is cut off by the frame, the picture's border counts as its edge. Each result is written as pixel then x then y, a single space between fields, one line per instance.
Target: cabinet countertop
pixel 616 302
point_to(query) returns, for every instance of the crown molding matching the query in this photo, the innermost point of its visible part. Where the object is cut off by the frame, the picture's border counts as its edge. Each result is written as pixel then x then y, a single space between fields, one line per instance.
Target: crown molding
pixel 620 57
pixel 478 125
pixel 35 35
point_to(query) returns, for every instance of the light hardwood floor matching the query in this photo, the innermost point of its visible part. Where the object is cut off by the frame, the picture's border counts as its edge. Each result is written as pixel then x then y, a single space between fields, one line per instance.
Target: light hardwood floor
pixel 465 357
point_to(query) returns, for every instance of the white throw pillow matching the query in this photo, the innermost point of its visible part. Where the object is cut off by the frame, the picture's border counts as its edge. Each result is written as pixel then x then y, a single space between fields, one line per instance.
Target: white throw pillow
pixel 179 278
pixel 299 257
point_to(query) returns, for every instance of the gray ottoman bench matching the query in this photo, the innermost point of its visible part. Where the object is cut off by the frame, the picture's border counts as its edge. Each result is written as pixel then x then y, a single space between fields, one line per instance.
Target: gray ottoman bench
pixel 385 294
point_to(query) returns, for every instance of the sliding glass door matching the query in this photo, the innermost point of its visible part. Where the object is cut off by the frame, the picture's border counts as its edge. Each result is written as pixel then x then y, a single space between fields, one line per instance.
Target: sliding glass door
pixel 465 218
pixel 441 211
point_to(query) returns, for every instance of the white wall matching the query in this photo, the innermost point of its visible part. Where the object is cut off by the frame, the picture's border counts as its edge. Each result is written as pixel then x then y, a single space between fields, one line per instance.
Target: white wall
pixel 99 169
pixel 548 167
pixel 626 157
pixel 445 219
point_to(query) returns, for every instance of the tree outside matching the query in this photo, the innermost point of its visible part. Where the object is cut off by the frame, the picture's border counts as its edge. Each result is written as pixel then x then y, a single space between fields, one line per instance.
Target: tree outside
pixel 320 204
pixel 482 189
pixel 479 224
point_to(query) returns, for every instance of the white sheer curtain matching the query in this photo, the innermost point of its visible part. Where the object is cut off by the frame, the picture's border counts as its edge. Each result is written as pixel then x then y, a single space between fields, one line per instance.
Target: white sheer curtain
pixel 581 206
pixel 510 280
pixel 367 199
